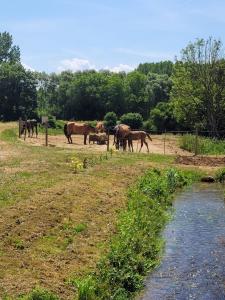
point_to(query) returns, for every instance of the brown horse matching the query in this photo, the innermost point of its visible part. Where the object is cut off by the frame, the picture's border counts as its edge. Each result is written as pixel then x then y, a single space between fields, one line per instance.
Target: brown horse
pixel 136 136
pixel 77 128
pixel 29 125
pixel 121 134
pixel 100 127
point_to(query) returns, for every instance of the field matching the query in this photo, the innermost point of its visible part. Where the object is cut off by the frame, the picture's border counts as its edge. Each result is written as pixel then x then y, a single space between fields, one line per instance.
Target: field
pixel 56 223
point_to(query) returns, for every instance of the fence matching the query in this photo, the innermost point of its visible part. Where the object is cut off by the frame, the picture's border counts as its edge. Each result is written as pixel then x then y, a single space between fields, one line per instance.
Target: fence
pixel 164 142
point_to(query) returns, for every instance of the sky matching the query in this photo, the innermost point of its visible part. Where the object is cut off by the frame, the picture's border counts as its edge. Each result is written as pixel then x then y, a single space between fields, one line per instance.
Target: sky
pixel 55 35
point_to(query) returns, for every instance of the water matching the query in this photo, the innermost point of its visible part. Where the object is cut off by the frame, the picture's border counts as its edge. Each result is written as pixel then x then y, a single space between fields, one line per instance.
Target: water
pixel 193 266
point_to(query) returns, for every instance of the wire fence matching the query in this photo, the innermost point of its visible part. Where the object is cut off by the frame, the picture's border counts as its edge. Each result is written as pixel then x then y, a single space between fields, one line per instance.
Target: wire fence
pixel 165 142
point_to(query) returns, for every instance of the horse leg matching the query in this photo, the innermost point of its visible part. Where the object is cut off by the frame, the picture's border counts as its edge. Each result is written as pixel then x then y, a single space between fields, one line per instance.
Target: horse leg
pixel 141 145
pixel 146 144
pixel 85 139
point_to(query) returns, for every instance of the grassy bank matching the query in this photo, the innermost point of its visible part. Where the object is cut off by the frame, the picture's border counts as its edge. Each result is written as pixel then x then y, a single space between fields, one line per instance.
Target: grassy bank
pixel 55 224
pixel 137 245
pixel 204 145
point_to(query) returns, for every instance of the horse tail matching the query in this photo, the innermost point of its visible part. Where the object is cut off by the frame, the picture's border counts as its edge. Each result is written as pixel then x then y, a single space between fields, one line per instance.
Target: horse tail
pixel 65 130
pixel 148 135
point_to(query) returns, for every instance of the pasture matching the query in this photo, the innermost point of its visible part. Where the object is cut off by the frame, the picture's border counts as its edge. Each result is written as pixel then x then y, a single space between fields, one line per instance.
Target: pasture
pixel 55 224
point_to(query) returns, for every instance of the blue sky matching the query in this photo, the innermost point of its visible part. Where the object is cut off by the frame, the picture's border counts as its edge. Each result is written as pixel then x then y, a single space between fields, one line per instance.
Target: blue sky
pixel 54 35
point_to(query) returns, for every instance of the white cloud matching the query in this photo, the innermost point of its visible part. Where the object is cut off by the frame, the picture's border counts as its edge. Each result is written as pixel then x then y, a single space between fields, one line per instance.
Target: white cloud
pixel 75 64
pixel 28 68
pixel 121 68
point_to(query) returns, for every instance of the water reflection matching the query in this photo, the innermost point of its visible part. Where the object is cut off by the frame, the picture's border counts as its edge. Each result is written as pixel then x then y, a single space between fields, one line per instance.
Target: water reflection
pixel 193 266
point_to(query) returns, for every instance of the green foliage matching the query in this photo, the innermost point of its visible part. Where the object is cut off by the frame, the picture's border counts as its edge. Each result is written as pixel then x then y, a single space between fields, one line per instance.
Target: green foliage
pixel 134 120
pixel 220 175
pixel 162 117
pixel 162 67
pixel 8 52
pixel 198 89
pixel 135 249
pixel 110 120
pixel 86 288
pixel 204 145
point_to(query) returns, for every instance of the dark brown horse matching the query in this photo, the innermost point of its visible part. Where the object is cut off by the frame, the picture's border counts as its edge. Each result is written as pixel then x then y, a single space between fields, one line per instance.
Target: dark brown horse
pixel 136 136
pixel 77 128
pixel 121 134
pixel 29 125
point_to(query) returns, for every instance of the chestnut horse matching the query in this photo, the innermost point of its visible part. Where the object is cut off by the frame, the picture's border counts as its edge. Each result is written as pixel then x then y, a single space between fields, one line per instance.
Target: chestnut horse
pixel 121 134
pixel 138 135
pixel 100 127
pixel 77 128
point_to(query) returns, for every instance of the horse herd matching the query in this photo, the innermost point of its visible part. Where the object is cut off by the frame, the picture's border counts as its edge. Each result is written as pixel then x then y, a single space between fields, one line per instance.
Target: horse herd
pixel 123 135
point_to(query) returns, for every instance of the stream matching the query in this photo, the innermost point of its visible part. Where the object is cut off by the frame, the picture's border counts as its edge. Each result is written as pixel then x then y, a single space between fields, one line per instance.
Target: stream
pixel 193 265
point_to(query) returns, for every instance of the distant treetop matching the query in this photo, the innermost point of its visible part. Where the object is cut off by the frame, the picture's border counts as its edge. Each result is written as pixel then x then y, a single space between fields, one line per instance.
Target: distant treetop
pixel 162 67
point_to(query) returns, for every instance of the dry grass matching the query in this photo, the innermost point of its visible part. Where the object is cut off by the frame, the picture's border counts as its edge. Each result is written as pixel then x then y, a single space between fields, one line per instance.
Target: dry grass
pixel 55 224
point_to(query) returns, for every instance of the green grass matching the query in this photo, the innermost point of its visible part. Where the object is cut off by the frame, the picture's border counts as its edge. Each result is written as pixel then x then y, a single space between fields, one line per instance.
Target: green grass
pixel 9 135
pixel 136 248
pixel 204 145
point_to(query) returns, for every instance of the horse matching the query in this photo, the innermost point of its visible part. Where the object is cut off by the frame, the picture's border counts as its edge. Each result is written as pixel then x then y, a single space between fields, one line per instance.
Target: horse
pixel 30 126
pixel 121 134
pixel 78 128
pixel 138 135
pixel 100 128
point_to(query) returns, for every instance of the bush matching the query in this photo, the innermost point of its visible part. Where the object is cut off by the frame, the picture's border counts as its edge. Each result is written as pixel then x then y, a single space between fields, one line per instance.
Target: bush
pixel 148 126
pixel 134 120
pixel 110 120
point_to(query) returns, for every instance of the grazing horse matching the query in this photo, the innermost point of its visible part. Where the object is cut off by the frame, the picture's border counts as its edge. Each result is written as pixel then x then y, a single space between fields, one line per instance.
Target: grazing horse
pixel 30 126
pixel 121 134
pixel 100 128
pixel 77 128
pixel 136 136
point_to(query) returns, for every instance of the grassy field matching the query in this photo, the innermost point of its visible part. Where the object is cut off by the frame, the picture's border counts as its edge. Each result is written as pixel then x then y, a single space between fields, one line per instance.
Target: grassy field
pixel 204 145
pixel 55 223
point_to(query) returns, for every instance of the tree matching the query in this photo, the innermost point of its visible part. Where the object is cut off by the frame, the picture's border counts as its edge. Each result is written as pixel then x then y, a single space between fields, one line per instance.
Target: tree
pixel 162 117
pixel 134 120
pixel 162 67
pixel 198 89
pixel 8 52
pixel 110 120
pixel 17 92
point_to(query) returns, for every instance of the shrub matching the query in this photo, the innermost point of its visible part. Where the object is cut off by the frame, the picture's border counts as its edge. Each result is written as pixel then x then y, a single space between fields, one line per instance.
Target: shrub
pixel 86 288
pixel 110 120
pixel 134 120
pixel 220 175
pixel 41 294
pixel 148 126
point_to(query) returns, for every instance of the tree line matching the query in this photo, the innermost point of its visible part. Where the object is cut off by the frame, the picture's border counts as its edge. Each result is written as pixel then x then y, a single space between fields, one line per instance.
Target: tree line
pixel 186 94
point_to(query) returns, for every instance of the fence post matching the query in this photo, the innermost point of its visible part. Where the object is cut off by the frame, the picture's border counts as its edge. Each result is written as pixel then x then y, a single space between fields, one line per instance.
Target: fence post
pixel 164 143
pixel 108 140
pixel 46 133
pixel 196 142
pixel 20 119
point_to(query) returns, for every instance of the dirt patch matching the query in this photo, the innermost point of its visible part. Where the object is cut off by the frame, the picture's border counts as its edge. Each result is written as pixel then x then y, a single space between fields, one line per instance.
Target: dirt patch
pixel 201 161
pixel 157 145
